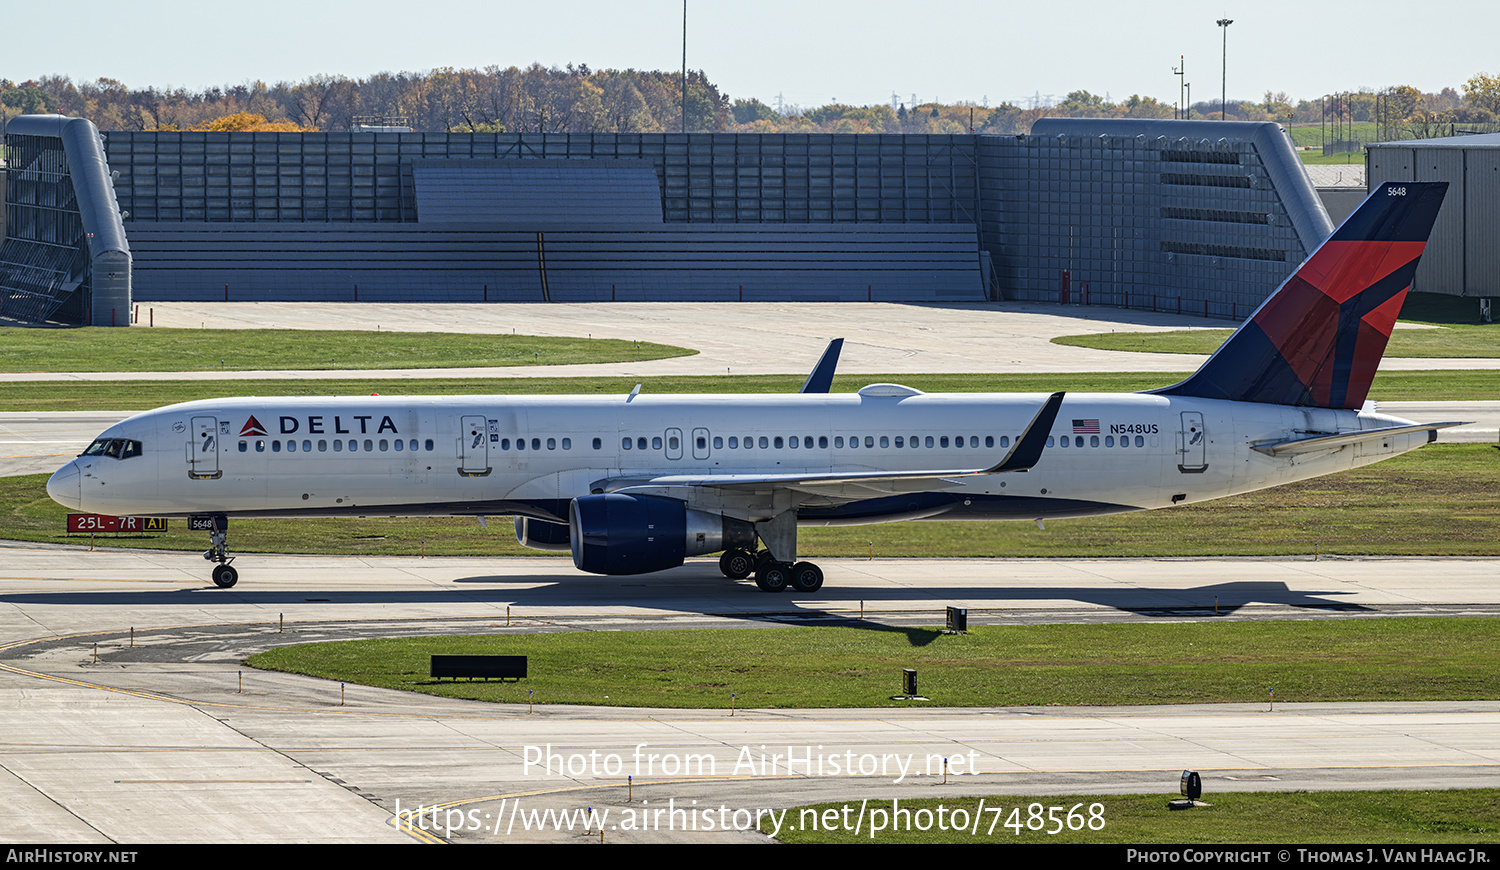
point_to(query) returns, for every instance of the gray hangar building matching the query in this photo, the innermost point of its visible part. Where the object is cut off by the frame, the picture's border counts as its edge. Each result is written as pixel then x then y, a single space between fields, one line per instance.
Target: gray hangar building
pixel 1463 255
pixel 1198 216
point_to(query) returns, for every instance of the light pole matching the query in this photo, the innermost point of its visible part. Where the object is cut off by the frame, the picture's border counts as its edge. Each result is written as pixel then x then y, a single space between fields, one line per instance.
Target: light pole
pixel 1224 73
pixel 1179 70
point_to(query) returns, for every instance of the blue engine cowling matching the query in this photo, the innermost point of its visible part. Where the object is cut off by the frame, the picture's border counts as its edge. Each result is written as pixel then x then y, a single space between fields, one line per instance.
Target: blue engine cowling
pixel 617 533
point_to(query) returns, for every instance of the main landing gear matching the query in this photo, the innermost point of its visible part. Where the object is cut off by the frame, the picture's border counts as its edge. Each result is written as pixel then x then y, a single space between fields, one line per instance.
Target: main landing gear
pixel 770 574
pixel 224 575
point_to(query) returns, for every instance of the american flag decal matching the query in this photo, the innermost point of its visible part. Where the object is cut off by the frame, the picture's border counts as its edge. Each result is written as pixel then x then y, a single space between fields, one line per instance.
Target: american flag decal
pixel 1086 427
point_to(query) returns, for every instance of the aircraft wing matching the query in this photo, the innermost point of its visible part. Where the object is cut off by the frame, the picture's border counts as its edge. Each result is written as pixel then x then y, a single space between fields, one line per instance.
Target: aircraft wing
pixel 1025 453
pixel 1294 446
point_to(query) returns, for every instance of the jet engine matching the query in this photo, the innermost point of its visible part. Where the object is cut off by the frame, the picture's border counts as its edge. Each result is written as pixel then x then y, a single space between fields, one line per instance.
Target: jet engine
pixel 542 535
pixel 618 533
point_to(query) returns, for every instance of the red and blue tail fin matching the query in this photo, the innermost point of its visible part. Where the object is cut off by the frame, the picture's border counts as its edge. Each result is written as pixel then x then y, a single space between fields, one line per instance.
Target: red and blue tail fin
pixel 1318 339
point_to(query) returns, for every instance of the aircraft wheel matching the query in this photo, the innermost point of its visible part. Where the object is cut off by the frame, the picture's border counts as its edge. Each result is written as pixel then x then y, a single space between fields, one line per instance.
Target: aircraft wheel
pixel 737 564
pixel 225 576
pixel 773 576
pixel 807 577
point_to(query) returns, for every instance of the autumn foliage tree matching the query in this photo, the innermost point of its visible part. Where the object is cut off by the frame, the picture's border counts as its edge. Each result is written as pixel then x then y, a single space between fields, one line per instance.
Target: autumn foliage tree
pixel 245 122
pixel 579 99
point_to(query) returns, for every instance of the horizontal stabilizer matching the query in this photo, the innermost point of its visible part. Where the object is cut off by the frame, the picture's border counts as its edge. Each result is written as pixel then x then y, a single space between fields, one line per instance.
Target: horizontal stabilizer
pixel 1328 442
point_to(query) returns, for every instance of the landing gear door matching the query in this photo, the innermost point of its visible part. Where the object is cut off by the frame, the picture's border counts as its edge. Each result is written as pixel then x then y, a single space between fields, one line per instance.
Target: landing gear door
pixel 1192 444
pixel 473 448
pixel 203 448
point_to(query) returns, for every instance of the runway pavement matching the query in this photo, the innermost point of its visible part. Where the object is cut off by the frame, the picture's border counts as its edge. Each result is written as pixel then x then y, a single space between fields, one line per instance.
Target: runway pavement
pixel 164 739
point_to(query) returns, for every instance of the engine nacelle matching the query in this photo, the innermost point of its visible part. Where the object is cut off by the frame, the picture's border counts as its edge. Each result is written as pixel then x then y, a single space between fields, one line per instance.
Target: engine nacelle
pixel 542 535
pixel 617 533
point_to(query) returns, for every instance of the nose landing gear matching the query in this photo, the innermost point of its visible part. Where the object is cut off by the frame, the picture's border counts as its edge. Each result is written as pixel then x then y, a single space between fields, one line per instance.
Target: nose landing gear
pixel 224 575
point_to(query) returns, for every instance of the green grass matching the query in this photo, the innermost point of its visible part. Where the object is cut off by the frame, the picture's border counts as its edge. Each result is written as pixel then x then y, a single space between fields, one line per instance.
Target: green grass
pixel 1413 659
pixel 1441 500
pixel 1313 135
pixel 101 349
pixel 1453 342
pixel 1368 818
pixel 139 395
pixel 1318 158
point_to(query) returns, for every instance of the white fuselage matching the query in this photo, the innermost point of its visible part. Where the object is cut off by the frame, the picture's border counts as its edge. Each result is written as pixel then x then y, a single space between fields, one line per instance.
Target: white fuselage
pixel 530 455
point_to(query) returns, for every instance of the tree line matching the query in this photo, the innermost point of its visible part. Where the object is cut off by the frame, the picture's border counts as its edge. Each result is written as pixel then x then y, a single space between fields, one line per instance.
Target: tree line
pixel 577 99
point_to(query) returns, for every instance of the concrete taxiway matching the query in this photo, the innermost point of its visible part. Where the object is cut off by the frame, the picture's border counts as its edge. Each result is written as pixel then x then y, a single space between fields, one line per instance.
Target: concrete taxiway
pixel 163 738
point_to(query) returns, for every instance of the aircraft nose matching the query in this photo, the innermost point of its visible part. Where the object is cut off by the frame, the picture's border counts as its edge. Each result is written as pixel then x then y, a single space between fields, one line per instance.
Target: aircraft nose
pixel 63 486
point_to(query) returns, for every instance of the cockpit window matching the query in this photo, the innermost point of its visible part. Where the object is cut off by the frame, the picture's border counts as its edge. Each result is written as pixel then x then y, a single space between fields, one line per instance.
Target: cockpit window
pixel 115 448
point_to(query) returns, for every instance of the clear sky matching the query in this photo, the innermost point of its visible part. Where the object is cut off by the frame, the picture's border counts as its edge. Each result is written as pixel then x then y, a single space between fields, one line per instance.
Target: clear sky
pixel 810 52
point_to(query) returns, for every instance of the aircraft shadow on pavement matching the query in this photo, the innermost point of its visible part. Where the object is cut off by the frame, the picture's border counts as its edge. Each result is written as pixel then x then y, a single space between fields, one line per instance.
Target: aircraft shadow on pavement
pixel 690 591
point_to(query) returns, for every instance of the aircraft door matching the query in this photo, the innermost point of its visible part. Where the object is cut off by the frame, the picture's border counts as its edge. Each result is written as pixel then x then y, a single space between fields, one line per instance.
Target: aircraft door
pixel 700 443
pixel 1192 444
pixel 203 448
pixel 473 447
pixel 674 443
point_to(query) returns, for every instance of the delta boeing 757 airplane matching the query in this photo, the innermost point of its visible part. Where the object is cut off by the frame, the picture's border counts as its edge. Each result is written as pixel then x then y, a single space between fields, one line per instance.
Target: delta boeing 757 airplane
pixel 637 483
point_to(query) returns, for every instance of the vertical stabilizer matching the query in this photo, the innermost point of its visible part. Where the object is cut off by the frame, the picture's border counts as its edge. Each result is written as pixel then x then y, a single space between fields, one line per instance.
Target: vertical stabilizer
pixel 1318 339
